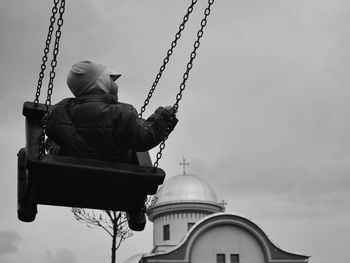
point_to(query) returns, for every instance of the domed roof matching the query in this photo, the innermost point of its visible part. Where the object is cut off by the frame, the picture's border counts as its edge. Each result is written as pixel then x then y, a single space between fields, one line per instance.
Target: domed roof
pixel 186 188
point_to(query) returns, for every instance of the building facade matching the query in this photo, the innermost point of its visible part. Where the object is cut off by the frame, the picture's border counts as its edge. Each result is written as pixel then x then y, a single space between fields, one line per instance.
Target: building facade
pixel 190 225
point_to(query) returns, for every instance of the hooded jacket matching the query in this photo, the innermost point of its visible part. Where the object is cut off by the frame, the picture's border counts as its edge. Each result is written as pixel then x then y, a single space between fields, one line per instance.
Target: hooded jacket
pixel 95 125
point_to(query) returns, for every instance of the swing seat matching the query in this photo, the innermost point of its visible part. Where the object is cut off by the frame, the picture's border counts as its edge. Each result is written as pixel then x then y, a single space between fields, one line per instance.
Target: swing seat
pixel 75 182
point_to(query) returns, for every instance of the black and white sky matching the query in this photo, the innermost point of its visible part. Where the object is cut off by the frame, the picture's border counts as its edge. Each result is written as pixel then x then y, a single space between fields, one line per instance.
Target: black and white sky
pixel 264 118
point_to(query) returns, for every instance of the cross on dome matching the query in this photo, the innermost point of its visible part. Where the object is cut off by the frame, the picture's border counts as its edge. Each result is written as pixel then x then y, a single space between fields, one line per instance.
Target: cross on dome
pixel 183 163
pixel 223 203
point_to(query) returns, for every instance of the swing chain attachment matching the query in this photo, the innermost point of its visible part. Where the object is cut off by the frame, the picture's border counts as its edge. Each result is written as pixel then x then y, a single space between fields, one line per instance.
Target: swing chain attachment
pixel 186 75
pixel 167 58
pixel 52 74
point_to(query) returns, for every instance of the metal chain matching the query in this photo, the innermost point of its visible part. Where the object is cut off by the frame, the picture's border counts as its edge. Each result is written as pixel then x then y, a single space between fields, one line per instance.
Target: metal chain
pixel 46 51
pixel 167 58
pixel 58 35
pixel 185 76
pixel 52 75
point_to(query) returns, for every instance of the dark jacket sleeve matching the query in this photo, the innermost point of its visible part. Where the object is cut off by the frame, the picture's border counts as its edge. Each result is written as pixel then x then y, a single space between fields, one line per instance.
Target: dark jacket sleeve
pixel 143 135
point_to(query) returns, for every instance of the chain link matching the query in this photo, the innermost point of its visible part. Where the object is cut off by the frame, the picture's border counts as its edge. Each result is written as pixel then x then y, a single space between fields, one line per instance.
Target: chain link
pixel 46 51
pixel 52 75
pixel 185 76
pixel 167 58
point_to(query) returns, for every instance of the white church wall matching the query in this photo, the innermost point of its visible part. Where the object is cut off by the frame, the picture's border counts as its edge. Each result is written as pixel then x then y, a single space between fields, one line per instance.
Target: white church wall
pixel 178 223
pixel 226 239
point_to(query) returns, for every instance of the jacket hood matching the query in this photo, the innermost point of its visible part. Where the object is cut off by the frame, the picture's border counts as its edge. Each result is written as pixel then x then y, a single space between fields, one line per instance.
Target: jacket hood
pixel 89 77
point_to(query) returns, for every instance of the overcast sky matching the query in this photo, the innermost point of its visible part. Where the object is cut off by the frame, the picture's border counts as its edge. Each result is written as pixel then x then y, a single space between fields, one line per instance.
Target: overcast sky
pixel 264 118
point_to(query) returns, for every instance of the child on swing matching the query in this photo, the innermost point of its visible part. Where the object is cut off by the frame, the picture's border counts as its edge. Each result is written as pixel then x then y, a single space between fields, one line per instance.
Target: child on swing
pixel 96 125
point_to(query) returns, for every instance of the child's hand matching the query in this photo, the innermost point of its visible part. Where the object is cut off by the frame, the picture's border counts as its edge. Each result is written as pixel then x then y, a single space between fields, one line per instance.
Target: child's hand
pixel 171 109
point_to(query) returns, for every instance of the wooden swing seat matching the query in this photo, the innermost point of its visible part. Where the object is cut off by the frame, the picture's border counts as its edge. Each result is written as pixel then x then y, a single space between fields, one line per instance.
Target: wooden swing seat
pixel 75 182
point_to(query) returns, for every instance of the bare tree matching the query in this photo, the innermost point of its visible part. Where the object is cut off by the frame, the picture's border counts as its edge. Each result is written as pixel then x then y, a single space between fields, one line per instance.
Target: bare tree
pixel 113 222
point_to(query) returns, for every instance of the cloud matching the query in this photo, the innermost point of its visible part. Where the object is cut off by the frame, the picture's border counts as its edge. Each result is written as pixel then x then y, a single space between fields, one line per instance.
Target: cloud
pixel 9 242
pixel 64 255
pixel 292 187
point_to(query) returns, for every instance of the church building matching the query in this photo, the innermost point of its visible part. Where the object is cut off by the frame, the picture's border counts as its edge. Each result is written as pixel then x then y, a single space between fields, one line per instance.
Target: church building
pixel 190 226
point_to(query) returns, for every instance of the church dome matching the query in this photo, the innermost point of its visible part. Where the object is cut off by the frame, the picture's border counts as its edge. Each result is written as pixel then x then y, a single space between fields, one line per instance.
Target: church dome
pixel 185 188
